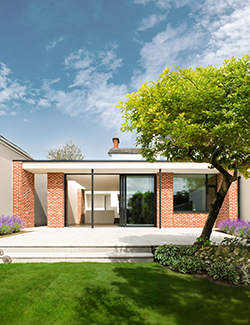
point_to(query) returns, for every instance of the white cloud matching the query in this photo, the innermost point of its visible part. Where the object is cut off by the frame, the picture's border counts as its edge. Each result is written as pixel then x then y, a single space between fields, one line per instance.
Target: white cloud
pixel 2 112
pixel 80 59
pixel 165 4
pixel 42 102
pixel 164 51
pixel 54 43
pixel 91 95
pixel 214 31
pixel 228 36
pixel 10 89
pixel 109 60
pixel 151 21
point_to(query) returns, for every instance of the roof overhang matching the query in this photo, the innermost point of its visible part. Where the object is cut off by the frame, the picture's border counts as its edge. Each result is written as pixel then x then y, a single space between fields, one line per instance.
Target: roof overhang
pixel 116 167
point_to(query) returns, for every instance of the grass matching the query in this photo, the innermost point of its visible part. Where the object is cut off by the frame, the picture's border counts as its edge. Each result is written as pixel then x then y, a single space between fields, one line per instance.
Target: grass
pixel 94 293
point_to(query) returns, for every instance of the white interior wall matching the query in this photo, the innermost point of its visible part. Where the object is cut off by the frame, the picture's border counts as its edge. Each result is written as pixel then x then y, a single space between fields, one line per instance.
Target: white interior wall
pixel 6 179
pixel 245 199
pixel 41 200
pixel 72 201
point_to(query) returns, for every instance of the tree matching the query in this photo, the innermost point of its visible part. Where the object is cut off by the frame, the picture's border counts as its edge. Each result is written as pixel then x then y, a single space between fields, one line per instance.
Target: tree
pixel 67 151
pixel 199 115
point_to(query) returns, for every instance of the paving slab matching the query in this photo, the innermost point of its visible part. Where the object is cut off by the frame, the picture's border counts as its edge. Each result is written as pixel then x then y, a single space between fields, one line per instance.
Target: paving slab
pixel 113 236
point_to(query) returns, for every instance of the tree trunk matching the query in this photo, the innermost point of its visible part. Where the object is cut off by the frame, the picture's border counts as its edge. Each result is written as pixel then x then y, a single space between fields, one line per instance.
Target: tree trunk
pixel 215 208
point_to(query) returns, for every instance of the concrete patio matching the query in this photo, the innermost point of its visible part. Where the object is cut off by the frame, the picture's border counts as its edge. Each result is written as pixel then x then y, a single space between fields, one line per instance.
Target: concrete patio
pixel 102 244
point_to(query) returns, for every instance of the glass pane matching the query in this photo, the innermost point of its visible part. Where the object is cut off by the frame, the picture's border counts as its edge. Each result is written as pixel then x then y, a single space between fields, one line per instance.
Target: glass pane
pixel 211 194
pixel 140 200
pixel 190 193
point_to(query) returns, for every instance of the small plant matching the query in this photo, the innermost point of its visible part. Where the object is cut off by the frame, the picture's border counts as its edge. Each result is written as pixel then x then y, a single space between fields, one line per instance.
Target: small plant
pixel 6 259
pixel 238 228
pixel 10 225
pixel 204 241
pixel 167 253
pixel 244 273
pixel 222 270
pixel 188 264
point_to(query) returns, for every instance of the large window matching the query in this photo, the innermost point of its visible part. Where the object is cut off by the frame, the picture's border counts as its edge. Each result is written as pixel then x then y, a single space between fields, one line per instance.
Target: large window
pixel 137 201
pixel 194 193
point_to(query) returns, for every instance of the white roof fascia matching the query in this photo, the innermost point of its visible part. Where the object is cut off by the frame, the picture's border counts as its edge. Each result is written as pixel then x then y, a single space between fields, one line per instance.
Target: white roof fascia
pixel 116 167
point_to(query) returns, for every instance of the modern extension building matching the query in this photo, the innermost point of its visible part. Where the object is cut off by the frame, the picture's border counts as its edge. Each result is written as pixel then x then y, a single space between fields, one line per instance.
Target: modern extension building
pixel 124 190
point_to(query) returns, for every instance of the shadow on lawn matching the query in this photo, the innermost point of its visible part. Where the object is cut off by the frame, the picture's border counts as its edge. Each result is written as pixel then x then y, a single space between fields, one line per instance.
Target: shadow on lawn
pixel 143 295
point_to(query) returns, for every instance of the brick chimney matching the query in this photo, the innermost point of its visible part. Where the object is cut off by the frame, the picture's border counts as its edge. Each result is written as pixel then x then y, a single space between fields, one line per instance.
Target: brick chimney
pixel 115 141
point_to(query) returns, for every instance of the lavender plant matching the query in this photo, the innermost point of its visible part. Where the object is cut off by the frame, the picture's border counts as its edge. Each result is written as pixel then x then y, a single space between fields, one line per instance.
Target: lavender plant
pixel 238 227
pixel 10 225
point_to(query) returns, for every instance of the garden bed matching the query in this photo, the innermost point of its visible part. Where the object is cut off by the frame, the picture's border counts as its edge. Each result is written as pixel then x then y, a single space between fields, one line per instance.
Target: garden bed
pixel 228 262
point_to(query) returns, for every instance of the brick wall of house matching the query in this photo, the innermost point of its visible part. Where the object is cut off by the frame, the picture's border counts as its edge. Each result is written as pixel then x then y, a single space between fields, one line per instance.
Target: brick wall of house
pixel 23 194
pixel 229 209
pixel 170 219
pixel 55 200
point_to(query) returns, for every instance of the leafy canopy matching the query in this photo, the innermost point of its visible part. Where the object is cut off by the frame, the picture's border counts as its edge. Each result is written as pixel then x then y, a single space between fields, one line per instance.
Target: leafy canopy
pixel 201 114
pixel 67 151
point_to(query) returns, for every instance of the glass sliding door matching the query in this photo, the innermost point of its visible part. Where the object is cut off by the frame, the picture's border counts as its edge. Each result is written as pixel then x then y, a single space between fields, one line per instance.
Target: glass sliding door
pixel 137 203
pixel 122 202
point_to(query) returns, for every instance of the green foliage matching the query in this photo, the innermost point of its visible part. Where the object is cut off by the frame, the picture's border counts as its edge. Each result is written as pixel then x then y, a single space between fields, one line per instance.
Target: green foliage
pixel 188 264
pixel 167 253
pixel 67 151
pixel 244 273
pixel 222 270
pixel 205 241
pixel 232 252
pixel 5 229
pixel 141 208
pixel 201 114
pixel 236 242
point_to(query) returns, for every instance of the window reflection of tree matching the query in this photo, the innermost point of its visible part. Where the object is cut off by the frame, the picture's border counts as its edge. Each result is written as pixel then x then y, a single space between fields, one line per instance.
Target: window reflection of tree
pixel 140 209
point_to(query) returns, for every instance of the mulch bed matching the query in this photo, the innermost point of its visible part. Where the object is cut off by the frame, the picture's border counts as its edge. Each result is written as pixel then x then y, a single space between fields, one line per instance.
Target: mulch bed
pixel 14 234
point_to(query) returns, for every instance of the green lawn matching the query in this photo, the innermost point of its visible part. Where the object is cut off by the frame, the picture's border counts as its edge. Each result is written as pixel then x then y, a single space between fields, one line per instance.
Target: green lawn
pixel 136 293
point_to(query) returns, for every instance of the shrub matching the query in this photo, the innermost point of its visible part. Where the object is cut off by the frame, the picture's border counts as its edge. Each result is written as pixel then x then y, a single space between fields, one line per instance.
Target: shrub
pixel 167 253
pixel 244 273
pixel 188 264
pixel 222 270
pixel 10 225
pixel 230 261
pixel 238 227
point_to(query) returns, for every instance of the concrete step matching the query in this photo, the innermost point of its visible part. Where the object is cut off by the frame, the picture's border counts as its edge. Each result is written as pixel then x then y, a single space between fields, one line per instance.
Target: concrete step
pixel 51 254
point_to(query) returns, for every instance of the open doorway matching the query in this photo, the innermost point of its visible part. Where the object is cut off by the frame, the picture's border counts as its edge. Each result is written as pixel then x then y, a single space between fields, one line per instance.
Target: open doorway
pixel 106 200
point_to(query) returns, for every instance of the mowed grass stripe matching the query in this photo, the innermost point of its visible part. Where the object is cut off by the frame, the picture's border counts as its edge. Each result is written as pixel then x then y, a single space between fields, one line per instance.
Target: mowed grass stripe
pixel 95 293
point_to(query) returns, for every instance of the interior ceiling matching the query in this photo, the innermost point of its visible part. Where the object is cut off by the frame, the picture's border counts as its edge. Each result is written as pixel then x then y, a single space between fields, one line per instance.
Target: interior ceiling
pixel 101 182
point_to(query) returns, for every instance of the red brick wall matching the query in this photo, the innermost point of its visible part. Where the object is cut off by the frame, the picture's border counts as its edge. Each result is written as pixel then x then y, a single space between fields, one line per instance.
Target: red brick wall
pixel 55 200
pixel 23 194
pixel 167 204
pixel 169 219
pixel 229 209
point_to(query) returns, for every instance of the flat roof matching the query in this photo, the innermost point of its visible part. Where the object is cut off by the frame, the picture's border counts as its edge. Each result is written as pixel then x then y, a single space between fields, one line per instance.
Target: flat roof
pixel 115 167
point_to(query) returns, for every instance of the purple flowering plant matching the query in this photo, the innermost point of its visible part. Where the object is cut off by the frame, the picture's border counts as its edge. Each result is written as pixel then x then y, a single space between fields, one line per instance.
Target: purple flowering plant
pixel 10 225
pixel 238 228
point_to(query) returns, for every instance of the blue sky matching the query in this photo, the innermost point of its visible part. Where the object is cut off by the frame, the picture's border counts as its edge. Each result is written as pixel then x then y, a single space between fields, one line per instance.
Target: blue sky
pixel 65 64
